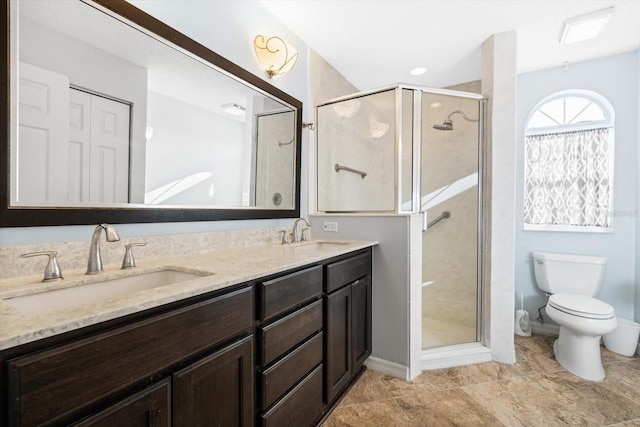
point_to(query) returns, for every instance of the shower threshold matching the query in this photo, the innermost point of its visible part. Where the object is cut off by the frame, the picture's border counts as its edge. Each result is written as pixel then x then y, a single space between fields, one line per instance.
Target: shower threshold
pixel 455 355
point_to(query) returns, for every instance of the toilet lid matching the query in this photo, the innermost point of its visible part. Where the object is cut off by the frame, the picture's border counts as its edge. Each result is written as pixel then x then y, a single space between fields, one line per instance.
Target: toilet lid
pixel 582 305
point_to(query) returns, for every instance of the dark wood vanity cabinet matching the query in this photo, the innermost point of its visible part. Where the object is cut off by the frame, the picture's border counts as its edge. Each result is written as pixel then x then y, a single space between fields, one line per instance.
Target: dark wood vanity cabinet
pixel 150 407
pixel 217 390
pixel 348 332
pixel 290 372
pixel 361 319
pixel 277 352
pixel 99 376
pixel 314 339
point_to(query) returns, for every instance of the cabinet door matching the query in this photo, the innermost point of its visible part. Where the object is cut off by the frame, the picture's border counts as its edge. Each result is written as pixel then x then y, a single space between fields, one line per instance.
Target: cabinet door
pixel 361 322
pixel 338 344
pixel 50 386
pixel 148 408
pixel 217 390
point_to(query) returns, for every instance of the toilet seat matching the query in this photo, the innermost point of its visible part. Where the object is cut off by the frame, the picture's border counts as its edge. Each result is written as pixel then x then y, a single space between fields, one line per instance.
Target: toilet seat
pixel 582 306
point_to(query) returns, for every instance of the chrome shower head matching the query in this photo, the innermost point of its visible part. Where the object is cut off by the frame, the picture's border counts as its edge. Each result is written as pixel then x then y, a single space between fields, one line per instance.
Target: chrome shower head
pixel 447 125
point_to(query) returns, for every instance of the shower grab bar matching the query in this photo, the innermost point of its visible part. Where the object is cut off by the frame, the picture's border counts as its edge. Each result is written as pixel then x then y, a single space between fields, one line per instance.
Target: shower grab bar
pixel 339 168
pixel 443 215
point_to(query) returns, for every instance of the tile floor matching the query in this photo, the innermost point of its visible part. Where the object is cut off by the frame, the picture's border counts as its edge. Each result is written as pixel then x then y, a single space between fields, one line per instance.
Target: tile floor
pixel 536 391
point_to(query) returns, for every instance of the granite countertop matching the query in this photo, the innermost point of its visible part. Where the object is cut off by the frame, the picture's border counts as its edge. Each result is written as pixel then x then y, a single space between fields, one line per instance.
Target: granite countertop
pixel 218 269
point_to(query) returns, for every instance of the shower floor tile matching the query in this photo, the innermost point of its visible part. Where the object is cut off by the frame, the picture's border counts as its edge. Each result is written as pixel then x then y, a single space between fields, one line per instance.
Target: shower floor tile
pixel 436 333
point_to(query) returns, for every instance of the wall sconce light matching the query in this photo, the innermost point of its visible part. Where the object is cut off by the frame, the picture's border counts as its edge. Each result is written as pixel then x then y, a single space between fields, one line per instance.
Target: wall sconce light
pixel 275 55
pixel 348 108
pixel 377 129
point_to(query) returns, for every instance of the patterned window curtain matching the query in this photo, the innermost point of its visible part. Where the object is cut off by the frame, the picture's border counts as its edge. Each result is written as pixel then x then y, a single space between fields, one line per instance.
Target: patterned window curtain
pixel 567 178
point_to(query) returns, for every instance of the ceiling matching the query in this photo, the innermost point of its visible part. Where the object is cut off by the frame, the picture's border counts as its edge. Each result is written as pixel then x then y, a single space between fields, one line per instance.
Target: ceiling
pixel 375 43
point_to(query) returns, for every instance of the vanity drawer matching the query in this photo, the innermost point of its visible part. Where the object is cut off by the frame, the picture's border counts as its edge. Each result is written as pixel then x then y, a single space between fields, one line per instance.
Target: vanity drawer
pixel 288 371
pixel 301 406
pixel 346 271
pixel 280 336
pixel 47 387
pixel 281 294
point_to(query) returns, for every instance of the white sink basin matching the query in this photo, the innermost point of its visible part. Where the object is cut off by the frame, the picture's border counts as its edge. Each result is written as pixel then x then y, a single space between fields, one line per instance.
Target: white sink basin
pixel 50 301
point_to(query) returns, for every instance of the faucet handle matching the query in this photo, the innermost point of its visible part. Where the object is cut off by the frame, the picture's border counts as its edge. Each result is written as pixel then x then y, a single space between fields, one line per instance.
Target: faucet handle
pixel 128 261
pixel 305 234
pixel 52 271
pixel 285 237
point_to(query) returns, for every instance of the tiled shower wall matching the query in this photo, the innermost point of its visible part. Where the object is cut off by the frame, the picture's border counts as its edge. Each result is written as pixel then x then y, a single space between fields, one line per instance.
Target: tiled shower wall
pixel 449 260
pixel 349 142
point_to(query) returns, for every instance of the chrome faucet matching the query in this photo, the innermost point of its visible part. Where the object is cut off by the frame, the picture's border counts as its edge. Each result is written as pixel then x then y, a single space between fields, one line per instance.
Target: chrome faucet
pixel 52 271
pixel 94 266
pixel 294 231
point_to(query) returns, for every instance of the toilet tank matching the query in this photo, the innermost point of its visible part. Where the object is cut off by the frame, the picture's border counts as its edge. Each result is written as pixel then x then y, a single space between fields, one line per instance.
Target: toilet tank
pixel 568 274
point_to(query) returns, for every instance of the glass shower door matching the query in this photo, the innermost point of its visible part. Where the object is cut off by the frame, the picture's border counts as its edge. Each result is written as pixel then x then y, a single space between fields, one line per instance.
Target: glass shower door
pixel 450 197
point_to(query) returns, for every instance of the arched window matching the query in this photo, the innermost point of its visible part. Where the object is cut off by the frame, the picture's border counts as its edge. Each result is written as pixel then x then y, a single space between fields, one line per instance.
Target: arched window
pixel 569 163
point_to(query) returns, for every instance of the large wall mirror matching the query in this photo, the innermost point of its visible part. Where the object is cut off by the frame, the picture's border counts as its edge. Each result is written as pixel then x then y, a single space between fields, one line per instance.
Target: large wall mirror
pixel 109 121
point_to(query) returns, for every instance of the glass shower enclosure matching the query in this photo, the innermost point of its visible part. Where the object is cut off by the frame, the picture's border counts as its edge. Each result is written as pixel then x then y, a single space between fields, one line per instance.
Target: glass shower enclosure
pixel 410 150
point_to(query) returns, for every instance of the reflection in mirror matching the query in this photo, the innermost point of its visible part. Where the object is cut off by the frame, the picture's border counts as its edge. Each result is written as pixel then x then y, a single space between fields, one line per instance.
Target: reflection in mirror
pixel 109 116
pixel 275 147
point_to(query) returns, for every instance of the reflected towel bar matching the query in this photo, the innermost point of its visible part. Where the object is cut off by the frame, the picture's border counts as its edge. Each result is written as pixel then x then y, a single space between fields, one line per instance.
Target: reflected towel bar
pixel 280 144
pixel 339 168
pixel 443 215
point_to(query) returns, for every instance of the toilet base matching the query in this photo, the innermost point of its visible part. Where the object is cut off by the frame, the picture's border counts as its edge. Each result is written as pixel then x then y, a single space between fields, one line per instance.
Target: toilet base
pixel 579 354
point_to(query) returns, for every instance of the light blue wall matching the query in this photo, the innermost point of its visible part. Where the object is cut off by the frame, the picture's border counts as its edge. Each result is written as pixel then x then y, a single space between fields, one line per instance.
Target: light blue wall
pixel 615 78
pixel 228 28
pixel 390 288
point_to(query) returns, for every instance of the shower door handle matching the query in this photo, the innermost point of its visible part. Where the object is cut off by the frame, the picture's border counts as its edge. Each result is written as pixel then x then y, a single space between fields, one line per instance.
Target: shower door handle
pixel 425 221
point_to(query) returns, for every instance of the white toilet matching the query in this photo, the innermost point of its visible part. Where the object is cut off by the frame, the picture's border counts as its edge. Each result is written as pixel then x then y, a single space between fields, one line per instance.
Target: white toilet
pixel 573 280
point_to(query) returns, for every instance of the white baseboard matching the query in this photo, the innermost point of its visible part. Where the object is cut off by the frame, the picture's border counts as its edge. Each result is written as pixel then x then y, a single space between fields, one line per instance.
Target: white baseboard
pixel 389 368
pixel 458 355
pixel 544 328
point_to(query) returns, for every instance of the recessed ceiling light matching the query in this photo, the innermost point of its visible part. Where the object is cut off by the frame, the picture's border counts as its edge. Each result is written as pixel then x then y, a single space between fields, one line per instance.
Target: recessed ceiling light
pixel 233 109
pixel 435 104
pixel 418 71
pixel 585 27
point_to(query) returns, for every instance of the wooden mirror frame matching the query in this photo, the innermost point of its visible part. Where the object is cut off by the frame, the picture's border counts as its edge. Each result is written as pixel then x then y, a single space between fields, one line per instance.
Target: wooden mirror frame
pixel 19 216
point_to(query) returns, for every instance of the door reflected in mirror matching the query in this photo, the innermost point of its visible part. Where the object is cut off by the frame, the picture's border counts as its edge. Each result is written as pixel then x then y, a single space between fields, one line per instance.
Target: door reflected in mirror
pixel 109 116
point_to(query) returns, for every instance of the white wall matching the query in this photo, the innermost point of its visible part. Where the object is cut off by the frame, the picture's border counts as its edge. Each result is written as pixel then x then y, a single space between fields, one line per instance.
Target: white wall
pixel 228 28
pixel 499 86
pixel 637 317
pixel 615 78
pixel 97 71
pixel 210 143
